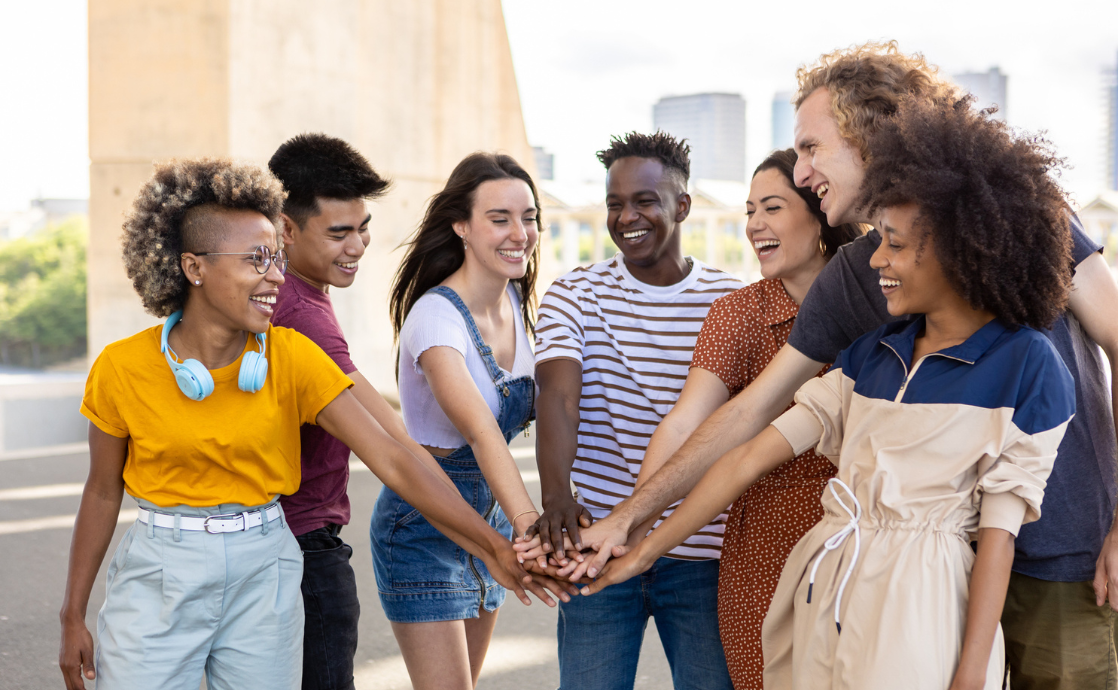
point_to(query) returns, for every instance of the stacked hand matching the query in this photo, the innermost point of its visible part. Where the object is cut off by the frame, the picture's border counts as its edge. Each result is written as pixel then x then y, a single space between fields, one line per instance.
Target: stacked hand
pixel 585 549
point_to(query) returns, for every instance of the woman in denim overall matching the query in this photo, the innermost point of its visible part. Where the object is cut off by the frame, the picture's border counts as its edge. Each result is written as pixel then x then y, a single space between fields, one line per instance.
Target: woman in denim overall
pixel 460 308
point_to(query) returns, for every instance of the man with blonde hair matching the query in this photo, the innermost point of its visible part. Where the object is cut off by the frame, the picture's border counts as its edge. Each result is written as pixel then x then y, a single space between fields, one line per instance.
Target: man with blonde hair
pixel 1058 633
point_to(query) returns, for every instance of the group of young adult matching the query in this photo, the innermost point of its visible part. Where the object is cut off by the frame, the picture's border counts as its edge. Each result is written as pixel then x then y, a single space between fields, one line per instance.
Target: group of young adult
pixel 944 365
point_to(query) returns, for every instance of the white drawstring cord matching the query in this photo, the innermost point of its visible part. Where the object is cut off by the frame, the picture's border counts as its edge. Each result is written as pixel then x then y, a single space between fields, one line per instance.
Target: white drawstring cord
pixel 836 541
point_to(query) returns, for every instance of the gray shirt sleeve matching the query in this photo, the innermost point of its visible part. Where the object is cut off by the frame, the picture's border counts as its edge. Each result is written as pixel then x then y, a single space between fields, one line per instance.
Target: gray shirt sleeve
pixel 843 304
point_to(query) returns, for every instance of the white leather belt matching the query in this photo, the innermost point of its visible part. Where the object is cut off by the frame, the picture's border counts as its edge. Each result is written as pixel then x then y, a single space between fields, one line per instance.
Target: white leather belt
pixel 214 524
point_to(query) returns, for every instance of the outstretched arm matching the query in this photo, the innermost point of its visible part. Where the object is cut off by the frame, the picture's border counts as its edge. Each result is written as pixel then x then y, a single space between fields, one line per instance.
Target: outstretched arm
pixel 735 472
pixel 1094 301
pixel 348 421
pixel 731 425
pixel 93 530
pixel 988 584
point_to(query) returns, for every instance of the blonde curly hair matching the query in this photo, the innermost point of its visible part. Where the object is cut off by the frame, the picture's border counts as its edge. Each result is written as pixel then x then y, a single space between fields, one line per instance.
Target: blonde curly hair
pixel 867 83
pixel 154 236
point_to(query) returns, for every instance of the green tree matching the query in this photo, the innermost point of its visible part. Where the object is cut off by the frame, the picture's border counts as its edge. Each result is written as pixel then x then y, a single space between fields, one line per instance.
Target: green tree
pixel 43 295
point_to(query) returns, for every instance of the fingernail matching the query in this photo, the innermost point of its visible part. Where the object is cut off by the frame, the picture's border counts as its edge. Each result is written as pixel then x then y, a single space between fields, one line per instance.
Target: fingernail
pixel 592 572
pixel 579 546
pixel 586 591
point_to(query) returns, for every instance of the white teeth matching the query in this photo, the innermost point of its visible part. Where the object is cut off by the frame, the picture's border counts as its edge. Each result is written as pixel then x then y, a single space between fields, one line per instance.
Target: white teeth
pixel 765 244
pixel 822 189
pixel 634 234
pixel 889 283
pixel 511 253
pixel 352 264
pixel 264 299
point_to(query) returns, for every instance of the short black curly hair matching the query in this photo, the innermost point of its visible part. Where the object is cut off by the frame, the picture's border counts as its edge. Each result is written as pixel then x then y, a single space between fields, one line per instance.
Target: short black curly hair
pixel 313 166
pixel 988 196
pixel 156 232
pixel 673 154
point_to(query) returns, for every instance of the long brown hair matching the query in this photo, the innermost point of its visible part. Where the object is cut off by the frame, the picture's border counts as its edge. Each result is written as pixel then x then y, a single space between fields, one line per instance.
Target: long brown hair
pixel 784 160
pixel 435 251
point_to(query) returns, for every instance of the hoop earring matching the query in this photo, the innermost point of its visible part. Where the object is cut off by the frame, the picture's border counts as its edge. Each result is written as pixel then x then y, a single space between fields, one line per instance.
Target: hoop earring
pixel 822 247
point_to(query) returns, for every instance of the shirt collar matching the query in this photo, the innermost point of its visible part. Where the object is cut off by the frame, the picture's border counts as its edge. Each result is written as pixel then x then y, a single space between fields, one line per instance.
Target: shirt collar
pixel 776 306
pixel 903 342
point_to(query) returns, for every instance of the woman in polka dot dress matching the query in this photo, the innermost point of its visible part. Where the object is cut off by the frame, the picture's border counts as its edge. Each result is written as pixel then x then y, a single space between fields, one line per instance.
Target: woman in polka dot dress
pixel 741 334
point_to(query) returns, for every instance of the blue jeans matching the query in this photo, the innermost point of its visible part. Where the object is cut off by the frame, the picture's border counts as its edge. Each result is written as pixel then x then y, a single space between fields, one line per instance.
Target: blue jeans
pixel 600 636
pixel 331 608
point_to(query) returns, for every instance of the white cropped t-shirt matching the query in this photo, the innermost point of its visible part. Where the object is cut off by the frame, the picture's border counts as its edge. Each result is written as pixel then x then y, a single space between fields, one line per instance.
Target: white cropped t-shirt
pixel 434 322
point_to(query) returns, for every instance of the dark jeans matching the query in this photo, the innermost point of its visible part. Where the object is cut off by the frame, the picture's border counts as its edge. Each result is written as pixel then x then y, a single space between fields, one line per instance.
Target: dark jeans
pixel 331 609
pixel 600 636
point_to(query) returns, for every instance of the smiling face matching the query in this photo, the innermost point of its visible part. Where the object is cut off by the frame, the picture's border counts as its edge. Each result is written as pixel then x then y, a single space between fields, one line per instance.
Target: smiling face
pixel 827 163
pixel 326 248
pixel 502 232
pixel 645 205
pixel 911 277
pixel 782 229
pixel 232 293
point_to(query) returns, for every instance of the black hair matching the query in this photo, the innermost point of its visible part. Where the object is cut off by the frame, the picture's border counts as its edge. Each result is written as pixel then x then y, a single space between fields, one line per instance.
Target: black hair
pixel 673 154
pixel 784 161
pixel 313 166
pixel 435 251
pixel 989 199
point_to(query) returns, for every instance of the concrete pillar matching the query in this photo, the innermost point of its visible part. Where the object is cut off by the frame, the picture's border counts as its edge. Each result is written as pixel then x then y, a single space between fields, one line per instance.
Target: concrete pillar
pixel 415 86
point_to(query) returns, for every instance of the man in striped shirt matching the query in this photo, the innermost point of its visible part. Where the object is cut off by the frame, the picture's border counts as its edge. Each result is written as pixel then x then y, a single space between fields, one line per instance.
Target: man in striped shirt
pixel 613 345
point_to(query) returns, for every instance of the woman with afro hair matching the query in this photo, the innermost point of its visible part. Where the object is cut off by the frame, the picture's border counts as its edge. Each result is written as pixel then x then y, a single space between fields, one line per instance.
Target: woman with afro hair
pixel 198 419
pixel 944 427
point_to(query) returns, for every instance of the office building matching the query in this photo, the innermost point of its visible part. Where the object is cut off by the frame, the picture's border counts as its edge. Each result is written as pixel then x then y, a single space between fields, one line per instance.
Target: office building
pixel 714 126
pixel 1111 76
pixel 783 118
pixel 545 163
pixel 988 88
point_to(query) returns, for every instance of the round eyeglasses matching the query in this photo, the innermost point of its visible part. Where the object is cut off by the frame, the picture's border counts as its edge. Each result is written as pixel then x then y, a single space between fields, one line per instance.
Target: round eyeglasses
pixel 262 258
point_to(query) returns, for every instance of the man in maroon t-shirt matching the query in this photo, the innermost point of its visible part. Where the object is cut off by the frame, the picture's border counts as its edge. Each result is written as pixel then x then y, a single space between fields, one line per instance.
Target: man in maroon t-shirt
pixel 325 232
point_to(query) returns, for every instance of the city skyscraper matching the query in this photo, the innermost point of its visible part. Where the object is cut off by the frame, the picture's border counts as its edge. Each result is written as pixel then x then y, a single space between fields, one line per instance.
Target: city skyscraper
pixel 783 117
pixel 714 126
pixel 1111 76
pixel 988 88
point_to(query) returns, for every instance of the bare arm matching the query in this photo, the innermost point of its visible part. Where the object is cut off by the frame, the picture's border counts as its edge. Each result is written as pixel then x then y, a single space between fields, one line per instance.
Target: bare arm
pixel 458 396
pixel 557 418
pixel 988 583
pixel 735 472
pixel 731 425
pixel 1094 302
pixel 348 421
pixel 93 530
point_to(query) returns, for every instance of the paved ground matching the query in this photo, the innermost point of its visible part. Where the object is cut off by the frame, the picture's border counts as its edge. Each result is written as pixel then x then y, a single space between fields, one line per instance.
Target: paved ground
pixel 39 497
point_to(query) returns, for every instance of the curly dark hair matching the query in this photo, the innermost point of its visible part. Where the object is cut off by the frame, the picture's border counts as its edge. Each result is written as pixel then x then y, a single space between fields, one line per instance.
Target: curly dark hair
pixel 435 251
pixel 673 154
pixel 167 218
pixel 313 166
pixel 784 161
pixel 990 199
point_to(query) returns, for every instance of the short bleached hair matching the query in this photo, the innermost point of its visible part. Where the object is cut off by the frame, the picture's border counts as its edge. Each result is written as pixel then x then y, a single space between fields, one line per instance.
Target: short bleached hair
pixel 155 232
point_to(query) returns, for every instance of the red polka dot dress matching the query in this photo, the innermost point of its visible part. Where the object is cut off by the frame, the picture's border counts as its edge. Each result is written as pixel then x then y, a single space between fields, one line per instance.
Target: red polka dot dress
pixel 740 336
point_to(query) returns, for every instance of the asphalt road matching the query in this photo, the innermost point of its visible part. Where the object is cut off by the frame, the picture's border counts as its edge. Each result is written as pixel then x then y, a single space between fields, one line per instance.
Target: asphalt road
pixel 39 497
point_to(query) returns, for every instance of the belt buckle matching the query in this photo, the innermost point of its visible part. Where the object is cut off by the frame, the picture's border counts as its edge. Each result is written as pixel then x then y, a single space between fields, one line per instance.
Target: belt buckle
pixel 206 522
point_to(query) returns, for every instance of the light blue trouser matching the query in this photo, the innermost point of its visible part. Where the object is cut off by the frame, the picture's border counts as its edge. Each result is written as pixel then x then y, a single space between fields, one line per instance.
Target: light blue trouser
pixel 226 604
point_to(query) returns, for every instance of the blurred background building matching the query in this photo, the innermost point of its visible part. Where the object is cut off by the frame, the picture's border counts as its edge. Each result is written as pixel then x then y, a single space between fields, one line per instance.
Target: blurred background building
pixel 415 86
pixel 714 125
pixel 988 88
pixel 784 117
pixel 545 163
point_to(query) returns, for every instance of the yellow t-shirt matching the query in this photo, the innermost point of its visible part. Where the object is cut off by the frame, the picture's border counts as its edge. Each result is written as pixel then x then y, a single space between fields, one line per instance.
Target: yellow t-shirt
pixel 232 447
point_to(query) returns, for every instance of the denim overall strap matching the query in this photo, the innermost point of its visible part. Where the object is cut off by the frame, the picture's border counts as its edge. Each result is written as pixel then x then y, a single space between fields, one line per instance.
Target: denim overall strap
pixel 484 350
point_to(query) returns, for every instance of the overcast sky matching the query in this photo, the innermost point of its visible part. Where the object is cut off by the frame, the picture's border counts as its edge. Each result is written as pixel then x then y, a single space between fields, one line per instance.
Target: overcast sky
pixel 588 69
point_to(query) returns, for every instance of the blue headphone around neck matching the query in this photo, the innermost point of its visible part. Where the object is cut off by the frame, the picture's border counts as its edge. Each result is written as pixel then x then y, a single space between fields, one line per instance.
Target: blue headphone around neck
pixel 194 379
